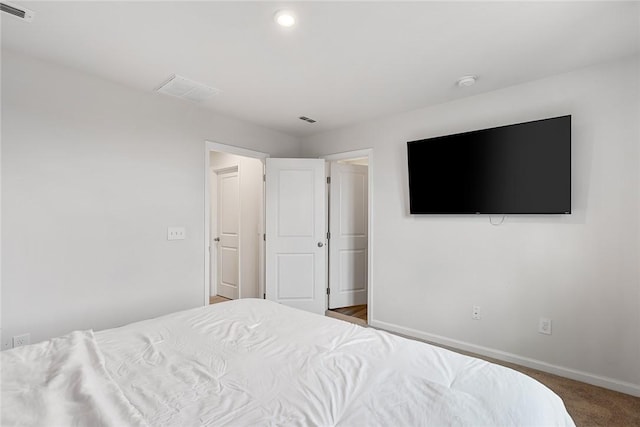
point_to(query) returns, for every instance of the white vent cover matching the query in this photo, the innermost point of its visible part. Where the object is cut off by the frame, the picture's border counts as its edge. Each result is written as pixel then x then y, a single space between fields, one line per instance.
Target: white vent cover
pixel 184 88
pixel 17 11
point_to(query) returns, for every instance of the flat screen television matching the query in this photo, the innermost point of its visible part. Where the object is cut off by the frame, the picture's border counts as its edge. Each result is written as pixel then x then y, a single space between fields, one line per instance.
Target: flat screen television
pixel 523 168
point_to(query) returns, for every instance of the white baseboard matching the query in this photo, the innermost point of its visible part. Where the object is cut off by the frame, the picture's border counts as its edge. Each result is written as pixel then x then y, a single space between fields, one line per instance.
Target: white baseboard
pixel 610 383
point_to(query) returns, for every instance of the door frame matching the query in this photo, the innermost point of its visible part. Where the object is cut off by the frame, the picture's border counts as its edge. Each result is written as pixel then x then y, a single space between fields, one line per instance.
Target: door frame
pixel 210 146
pixel 213 274
pixel 346 155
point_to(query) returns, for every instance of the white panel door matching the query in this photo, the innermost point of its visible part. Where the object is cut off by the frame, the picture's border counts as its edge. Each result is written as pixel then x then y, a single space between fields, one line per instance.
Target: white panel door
pixel 348 217
pixel 296 237
pixel 228 200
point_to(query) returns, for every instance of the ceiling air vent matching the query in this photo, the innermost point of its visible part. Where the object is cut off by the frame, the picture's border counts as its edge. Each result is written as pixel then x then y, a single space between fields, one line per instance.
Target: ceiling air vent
pixel 181 87
pixel 17 11
pixel 307 119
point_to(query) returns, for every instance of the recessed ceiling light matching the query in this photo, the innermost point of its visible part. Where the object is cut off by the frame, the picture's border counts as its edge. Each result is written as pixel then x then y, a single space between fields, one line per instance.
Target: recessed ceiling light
pixel 285 18
pixel 466 81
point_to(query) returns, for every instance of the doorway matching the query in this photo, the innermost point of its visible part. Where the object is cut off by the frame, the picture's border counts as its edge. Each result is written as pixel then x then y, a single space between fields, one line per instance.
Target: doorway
pixel 234 201
pixel 225 226
pixel 294 194
pixel 349 234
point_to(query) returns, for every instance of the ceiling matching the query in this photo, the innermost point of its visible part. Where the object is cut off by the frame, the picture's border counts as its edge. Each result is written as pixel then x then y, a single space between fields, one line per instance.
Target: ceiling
pixel 344 62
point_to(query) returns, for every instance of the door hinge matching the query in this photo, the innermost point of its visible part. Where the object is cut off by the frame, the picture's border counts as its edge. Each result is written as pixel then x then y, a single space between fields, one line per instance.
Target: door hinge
pixel 264 178
pixel 328 291
pixel 264 296
pixel 328 235
pixel 328 180
pixel 264 237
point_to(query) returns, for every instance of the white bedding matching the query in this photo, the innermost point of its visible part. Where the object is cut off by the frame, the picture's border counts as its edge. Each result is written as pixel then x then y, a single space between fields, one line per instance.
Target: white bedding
pixel 253 362
pixel 62 382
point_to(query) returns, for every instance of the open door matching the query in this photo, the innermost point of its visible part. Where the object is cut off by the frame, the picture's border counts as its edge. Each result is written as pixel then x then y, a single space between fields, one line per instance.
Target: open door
pixel 228 231
pixel 348 245
pixel 295 233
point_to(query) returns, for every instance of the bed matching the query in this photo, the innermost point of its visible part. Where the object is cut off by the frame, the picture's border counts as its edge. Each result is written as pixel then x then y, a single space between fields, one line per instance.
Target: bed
pixel 255 362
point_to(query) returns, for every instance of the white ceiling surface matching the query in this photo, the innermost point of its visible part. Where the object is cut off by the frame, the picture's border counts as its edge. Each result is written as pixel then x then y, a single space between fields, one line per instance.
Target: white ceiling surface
pixel 342 63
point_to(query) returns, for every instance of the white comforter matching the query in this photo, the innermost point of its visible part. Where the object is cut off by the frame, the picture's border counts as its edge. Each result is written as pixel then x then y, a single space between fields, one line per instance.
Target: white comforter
pixel 253 362
pixel 62 382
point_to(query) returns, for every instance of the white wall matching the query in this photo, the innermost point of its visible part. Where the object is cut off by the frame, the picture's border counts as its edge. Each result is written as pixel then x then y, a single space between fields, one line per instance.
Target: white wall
pixel 581 270
pixel 93 173
pixel 251 208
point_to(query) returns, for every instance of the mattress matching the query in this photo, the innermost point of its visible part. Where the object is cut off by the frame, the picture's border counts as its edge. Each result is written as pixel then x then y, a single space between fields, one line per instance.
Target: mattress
pixel 255 362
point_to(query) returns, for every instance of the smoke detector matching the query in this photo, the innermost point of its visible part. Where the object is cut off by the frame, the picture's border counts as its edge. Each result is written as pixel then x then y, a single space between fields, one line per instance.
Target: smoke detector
pixel 182 87
pixel 467 81
pixel 17 11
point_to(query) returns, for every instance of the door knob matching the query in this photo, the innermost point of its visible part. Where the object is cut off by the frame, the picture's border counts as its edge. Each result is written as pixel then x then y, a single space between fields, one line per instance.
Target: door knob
pixel 320 244
pixel 217 239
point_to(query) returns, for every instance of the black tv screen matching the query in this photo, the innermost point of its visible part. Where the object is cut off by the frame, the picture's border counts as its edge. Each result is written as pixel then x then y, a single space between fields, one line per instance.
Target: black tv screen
pixel 517 169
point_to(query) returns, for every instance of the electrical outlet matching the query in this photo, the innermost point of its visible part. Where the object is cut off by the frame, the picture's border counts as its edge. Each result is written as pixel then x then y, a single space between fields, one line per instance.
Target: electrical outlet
pixel 7 344
pixel 544 326
pixel 176 233
pixel 475 313
pixel 20 340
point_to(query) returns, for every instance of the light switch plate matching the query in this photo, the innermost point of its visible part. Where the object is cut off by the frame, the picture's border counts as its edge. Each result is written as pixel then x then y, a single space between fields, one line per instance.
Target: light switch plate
pixel 176 233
